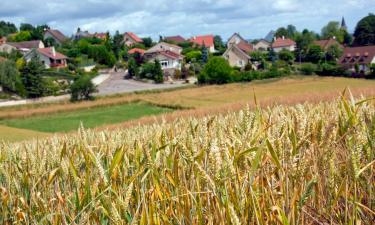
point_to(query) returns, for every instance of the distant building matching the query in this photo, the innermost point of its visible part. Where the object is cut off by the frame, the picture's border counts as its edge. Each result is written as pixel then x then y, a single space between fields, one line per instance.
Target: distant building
pixel 343 24
pixel 82 34
pixel 238 50
pixel 56 35
pixel 49 57
pixel 361 56
pixel 102 36
pixel 131 39
pixel 236 38
pixel 325 44
pixel 163 46
pixel 175 39
pixel 262 45
pixel 270 36
pixel 23 47
pixel 136 50
pixel 170 61
pixel 283 43
pixel 204 40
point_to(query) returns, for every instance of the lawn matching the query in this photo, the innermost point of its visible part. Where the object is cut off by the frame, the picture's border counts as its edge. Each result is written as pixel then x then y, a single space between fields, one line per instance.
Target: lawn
pixel 15 134
pixel 90 118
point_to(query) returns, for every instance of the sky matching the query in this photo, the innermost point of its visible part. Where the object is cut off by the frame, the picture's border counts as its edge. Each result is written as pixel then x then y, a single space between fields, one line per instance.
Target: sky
pixel 251 18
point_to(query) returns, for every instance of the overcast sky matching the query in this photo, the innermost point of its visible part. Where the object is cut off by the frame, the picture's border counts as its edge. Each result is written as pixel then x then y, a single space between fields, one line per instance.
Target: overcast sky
pixel 251 18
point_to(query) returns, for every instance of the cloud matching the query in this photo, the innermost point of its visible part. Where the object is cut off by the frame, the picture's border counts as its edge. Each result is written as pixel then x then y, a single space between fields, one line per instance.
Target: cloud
pixel 252 18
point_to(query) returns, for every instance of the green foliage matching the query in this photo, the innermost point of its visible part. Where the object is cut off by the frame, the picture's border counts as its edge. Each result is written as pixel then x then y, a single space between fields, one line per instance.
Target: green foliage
pixel 21 36
pixel 282 32
pixel 204 54
pixel 101 55
pixel 49 42
pixel 152 71
pixel 7 28
pixel 193 56
pixel 147 42
pixel 334 52
pixel 133 68
pixel 330 69
pixel 308 68
pixel 216 71
pixel 332 29
pixel 287 56
pixel 315 54
pixel 10 78
pixel 117 45
pixel 303 41
pixel 32 79
pixel 82 89
pixel 365 31
pixel 158 72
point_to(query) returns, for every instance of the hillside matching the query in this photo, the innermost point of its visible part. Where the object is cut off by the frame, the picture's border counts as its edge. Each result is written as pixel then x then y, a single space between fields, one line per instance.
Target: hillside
pixel 306 164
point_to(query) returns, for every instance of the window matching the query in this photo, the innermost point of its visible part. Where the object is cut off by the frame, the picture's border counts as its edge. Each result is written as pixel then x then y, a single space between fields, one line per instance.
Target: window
pixel 240 63
pixel 164 64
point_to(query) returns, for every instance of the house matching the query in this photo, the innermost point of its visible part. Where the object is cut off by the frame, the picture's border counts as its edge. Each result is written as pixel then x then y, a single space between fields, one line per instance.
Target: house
pixel 262 45
pixel 235 39
pixel 56 35
pixel 283 43
pixel 136 50
pixel 102 36
pixel 325 44
pixel 238 54
pixel 175 39
pixel 49 57
pixel 206 40
pixel 270 36
pixel 362 56
pixel 131 39
pixel 82 34
pixel 3 40
pixel 163 46
pixel 170 61
pixel 23 47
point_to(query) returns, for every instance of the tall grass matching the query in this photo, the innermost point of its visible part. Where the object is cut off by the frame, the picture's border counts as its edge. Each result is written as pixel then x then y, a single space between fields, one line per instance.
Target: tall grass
pixel 307 164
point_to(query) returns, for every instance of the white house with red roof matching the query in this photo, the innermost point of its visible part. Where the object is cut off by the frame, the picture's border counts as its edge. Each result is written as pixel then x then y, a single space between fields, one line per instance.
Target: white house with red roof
pixel 23 47
pixel 163 46
pixel 204 40
pixel 362 56
pixel 49 57
pixel 131 39
pixel 238 52
pixel 283 43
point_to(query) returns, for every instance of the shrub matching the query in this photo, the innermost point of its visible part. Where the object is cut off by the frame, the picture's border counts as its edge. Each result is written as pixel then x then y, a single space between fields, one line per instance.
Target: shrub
pixel 216 71
pixel 308 68
pixel 82 89
pixel 328 69
pixel 286 56
pixel 10 78
pixel 193 56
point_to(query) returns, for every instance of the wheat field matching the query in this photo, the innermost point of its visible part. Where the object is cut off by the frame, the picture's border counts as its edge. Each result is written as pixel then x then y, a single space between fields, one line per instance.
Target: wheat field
pixel 303 164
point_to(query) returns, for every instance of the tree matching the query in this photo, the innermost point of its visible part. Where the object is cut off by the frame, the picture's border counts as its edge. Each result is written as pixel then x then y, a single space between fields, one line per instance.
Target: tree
pixel 21 36
pixel 10 77
pixel 282 32
pixel 364 33
pixel 117 44
pixel 147 42
pixel 82 89
pixel 287 56
pixel 303 41
pixel 49 42
pixel 26 27
pixel 204 54
pixel 7 28
pixel 133 69
pixel 292 31
pixel 333 53
pixel 193 56
pixel 216 71
pixel 158 73
pixel 218 43
pixel 315 54
pixel 32 78
pixel 332 29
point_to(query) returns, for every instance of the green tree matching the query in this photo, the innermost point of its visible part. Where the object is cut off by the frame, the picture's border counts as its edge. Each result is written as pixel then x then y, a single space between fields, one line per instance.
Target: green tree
pixel 133 69
pixel 204 54
pixel 333 53
pixel 282 32
pixel 315 54
pixel 32 79
pixel 82 89
pixel 364 33
pixel 117 44
pixel 303 41
pixel 158 73
pixel 49 42
pixel 147 42
pixel 7 28
pixel 332 29
pixel 193 56
pixel 26 27
pixel 10 78
pixel 218 43
pixel 216 71
pixel 21 36
pixel 287 56
pixel 292 31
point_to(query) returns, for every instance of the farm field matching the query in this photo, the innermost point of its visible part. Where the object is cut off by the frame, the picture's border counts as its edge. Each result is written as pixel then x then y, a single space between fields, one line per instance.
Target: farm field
pixel 304 164
pixel 89 118
pixel 16 134
pixel 195 101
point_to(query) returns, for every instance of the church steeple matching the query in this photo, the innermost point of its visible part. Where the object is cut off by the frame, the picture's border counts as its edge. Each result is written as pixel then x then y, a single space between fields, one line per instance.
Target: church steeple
pixel 343 24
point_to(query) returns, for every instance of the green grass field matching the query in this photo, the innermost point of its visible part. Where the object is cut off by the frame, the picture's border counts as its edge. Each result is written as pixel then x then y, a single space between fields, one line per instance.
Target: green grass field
pixel 90 118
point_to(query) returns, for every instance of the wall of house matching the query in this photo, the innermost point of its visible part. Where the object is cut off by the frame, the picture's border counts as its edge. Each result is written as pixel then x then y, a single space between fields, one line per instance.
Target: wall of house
pixel 262 46
pixel 172 63
pixel 233 40
pixel 49 35
pixel 234 58
pixel 45 60
pixel 289 48
pixel 7 48
pixel 212 49
pixel 128 41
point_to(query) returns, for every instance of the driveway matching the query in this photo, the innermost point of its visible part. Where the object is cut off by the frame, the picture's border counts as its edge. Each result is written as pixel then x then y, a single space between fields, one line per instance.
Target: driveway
pixel 116 84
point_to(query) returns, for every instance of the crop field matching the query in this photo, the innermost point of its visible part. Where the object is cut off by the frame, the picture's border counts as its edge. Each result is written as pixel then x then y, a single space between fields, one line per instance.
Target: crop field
pixel 302 164
pixel 90 118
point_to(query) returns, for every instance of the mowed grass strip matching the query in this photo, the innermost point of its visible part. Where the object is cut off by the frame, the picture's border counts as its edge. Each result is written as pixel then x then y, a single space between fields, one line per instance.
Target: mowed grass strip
pixel 90 118
pixel 10 134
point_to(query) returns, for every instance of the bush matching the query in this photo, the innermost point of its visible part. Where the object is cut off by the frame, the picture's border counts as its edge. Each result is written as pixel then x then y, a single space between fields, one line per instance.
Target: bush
pixel 308 68
pixel 286 56
pixel 82 88
pixel 193 56
pixel 328 69
pixel 216 71
pixel 10 78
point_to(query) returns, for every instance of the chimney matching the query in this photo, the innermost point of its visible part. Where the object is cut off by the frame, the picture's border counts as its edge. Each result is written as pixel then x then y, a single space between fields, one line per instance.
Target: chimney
pixel 283 37
pixel 334 37
pixel 53 51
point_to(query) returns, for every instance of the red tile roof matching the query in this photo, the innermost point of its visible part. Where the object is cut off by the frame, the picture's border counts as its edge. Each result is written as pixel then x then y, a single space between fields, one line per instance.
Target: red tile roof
pixel 58 35
pixel 171 54
pixel 207 40
pixel 134 37
pixel 358 55
pixel 324 44
pixel 176 39
pixel 134 50
pixel 283 42
pixel 25 44
pixel 48 52
pixel 101 35
pixel 245 47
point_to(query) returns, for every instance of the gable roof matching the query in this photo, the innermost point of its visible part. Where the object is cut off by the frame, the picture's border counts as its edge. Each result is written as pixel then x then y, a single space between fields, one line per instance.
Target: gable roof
pixel 134 37
pixel 358 55
pixel 160 47
pixel 207 40
pixel 238 35
pixel 324 44
pixel 57 35
pixel 236 49
pixel 177 39
pixel 245 47
pixel 51 53
pixel 25 44
pixel 170 54
pixel 283 42
pixel 100 35
pixel 136 50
